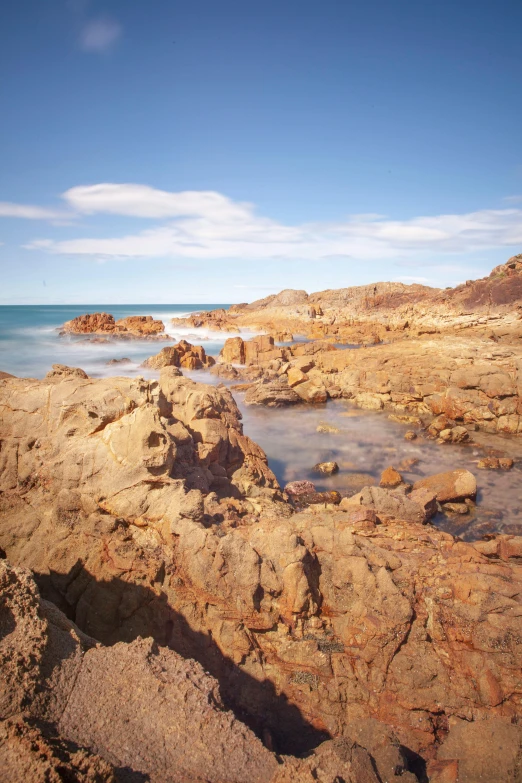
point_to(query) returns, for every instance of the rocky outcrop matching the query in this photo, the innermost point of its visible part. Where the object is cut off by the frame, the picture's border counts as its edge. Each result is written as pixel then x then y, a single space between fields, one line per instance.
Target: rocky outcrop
pixel 140 326
pixel 136 705
pixel 145 512
pixel 183 354
pixel 464 384
pixel 378 312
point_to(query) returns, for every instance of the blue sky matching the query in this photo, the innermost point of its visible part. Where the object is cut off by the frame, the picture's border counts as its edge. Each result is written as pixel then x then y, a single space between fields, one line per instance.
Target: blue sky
pixel 208 151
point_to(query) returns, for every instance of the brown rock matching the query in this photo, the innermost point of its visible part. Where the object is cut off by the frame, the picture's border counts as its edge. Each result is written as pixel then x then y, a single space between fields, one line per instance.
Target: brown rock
pixel 171 725
pixel 233 351
pixel 192 357
pixel 450 486
pixel 62 371
pixel 410 435
pixel 455 508
pixel 118 361
pixel 304 499
pixel 476 745
pixel 326 468
pixel 104 323
pixel 274 394
pixel 312 392
pixel 299 487
pixel 295 376
pixel 390 478
pixel 145 512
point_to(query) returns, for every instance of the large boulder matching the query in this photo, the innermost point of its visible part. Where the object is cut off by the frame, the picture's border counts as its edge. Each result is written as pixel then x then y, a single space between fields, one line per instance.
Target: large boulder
pixel 450 486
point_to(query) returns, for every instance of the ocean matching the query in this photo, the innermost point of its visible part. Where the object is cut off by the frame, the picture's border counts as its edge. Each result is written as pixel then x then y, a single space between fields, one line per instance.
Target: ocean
pixel 30 342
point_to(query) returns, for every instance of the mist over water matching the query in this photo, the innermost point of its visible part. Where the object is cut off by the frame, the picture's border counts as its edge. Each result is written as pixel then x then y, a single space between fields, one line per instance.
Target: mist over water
pixel 366 441
pixel 30 342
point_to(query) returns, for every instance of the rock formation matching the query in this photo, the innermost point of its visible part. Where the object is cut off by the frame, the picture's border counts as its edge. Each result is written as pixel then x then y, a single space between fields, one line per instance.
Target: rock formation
pixel 71 709
pixel 134 326
pixel 144 511
pixel 385 311
pixel 183 354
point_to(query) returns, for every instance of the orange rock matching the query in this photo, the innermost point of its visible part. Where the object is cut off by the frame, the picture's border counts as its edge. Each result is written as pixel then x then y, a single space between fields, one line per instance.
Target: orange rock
pixel 390 478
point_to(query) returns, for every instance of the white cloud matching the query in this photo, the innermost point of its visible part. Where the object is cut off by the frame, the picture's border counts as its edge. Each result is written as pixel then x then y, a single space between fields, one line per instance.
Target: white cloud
pixel 99 34
pixel 29 212
pixel 207 224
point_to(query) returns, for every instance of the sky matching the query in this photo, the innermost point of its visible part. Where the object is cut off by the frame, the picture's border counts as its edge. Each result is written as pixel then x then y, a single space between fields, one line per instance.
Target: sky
pixel 184 152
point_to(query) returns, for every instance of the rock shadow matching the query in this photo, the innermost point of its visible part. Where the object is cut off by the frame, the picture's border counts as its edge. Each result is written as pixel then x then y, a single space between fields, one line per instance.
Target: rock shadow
pixel 115 610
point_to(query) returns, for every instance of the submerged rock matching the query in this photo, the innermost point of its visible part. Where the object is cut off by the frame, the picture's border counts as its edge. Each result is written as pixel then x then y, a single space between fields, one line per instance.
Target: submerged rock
pixel 326 468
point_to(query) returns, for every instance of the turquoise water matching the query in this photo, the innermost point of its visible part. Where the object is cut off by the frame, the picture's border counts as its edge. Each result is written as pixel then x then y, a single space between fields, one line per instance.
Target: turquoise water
pixel 30 342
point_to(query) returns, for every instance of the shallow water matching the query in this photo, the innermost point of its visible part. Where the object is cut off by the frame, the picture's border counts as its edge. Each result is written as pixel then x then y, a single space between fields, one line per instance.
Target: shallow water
pixel 366 443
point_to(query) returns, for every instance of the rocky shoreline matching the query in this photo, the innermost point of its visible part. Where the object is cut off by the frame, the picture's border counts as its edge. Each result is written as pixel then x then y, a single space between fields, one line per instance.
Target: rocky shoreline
pixel 170 613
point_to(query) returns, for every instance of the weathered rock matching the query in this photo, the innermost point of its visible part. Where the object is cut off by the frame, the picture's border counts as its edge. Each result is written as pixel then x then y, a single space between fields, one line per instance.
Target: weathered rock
pixel 62 371
pixel 419 506
pixel 325 427
pixel 450 486
pixel 104 323
pixel 36 753
pixel 183 354
pixel 326 468
pixel 299 487
pixel 488 750
pixel 390 478
pixel 233 351
pixel 171 724
pixel 454 435
pixel 274 394
pixel 313 622
pixel 312 391
pixel 304 499
pixel 495 463
pixel 296 376
pixel 455 508
pixel 124 360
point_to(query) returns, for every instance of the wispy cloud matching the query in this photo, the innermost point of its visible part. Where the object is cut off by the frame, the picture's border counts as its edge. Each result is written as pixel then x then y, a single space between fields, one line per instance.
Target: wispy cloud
pixel 30 212
pixel 208 224
pixel 513 199
pixel 100 34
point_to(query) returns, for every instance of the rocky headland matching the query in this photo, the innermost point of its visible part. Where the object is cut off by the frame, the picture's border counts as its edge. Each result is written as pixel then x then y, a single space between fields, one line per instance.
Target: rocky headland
pixel 247 637
pixel 487 308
